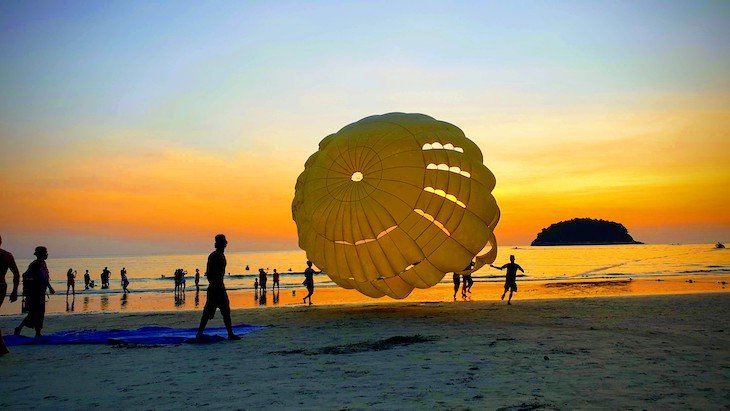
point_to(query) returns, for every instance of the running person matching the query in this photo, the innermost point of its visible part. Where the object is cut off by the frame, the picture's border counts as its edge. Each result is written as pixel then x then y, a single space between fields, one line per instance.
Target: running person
pixel 7 262
pixel 510 282
pixel 217 295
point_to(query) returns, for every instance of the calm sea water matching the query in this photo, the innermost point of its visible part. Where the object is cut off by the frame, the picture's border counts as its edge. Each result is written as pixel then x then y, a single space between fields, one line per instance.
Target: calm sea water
pixel 540 263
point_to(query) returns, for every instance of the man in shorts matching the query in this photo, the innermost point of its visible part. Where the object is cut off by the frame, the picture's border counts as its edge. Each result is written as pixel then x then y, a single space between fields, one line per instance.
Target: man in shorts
pixel 7 262
pixel 510 283
pixel 217 295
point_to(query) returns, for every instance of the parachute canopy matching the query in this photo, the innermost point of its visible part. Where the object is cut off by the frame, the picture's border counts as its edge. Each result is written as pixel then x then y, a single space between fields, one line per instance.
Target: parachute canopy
pixel 394 202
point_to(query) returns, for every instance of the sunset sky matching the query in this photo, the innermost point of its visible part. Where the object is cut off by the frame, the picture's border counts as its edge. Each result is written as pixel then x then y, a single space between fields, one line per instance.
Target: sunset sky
pixel 148 127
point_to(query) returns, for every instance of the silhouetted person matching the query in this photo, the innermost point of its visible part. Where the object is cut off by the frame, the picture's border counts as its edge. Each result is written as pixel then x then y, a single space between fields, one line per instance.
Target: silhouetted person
pixel 217 295
pixel 105 274
pixel 262 280
pixel 125 280
pixel 276 280
pixel 457 281
pixel 247 267
pixel 308 282
pixel 87 280
pixel 7 262
pixel 510 282
pixel 35 282
pixel 70 281
pixel 197 278
pixel 256 285
pixel 467 283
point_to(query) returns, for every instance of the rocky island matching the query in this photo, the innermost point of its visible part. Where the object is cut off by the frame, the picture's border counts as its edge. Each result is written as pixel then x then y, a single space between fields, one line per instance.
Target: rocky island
pixel 584 231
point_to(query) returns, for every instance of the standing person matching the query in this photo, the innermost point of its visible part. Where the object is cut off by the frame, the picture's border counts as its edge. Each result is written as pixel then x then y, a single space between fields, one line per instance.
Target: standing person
pixel 256 285
pixel 308 282
pixel 105 277
pixel 125 280
pixel 7 262
pixel 197 279
pixel 457 282
pixel 217 295
pixel 71 281
pixel 35 282
pixel 276 280
pixel 510 282
pixel 262 280
pixel 87 280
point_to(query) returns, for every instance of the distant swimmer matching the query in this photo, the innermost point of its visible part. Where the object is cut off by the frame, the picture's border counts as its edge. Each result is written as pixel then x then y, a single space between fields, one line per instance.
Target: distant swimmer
pixel 510 282
pixel 7 262
pixel 247 267
pixel 217 295
pixel 35 282
pixel 276 280
pixel 457 282
pixel 125 280
pixel 308 282
pixel 71 281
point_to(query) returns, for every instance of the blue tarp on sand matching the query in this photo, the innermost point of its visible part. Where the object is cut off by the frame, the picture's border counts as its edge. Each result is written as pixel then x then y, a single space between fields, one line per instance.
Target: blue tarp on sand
pixel 144 335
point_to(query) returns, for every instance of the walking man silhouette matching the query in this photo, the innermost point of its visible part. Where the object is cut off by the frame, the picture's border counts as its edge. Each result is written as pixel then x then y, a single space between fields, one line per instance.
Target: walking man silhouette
pixel 217 295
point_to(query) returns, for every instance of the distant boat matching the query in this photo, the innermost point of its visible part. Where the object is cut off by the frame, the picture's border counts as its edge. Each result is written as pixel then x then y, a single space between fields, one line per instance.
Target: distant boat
pixel 719 245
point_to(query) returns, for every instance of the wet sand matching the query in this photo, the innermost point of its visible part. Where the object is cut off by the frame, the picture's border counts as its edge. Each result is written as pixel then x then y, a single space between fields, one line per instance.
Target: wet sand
pixel 655 352
pixel 115 301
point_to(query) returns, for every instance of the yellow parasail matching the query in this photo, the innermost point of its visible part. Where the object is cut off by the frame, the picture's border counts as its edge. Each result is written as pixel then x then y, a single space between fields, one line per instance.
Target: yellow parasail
pixel 394 202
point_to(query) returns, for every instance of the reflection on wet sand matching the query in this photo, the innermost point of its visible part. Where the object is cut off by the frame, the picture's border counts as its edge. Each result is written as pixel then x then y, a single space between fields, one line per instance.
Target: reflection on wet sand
pixel 482 291
pixel 179 298
pixel 123 301
pixel 197 296
pixel 70 307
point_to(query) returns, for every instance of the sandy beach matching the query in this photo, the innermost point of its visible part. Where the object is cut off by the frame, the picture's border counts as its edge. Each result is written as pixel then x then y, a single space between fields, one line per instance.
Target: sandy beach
pixel 657 351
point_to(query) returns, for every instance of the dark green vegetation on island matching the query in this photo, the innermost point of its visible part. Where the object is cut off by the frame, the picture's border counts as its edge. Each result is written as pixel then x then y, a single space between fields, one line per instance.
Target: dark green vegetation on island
pixel 584 231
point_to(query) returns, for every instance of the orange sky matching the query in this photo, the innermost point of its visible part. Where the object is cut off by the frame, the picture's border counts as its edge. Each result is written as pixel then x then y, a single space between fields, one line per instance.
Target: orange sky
pixel 149 129
pixel 661 172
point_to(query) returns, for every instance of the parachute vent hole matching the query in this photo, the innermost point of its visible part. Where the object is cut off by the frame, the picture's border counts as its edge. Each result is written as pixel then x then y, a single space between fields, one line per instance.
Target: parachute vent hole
pixel 356 176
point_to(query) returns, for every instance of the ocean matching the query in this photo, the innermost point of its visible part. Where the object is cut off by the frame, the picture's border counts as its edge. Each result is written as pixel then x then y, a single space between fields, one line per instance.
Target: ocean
pixel 152 275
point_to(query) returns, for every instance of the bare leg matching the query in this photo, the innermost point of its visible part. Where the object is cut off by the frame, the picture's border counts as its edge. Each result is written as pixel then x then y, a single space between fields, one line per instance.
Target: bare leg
pixel 3 348
pixel 509 301
pixel 201 327
pixel 229 328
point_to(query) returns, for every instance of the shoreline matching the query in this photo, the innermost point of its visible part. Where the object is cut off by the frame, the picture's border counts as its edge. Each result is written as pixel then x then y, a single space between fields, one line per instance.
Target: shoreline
pixel 153 302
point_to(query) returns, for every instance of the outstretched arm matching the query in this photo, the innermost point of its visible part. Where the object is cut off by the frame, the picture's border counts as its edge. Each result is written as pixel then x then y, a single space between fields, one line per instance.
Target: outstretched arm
pixel 16 280
pixel 495 267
